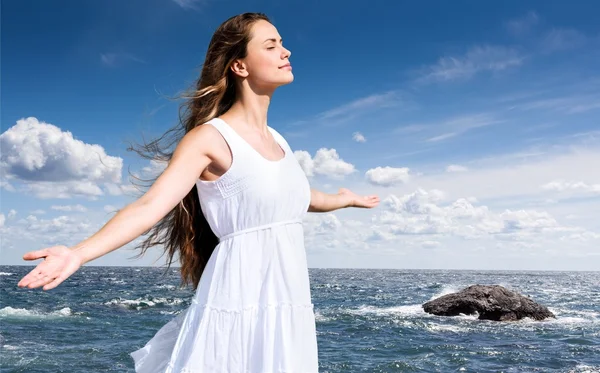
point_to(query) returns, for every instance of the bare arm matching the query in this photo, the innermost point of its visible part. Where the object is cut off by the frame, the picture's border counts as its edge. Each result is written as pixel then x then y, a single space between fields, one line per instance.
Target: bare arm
pixel 193 154
pixel 190 158
pixel 323 202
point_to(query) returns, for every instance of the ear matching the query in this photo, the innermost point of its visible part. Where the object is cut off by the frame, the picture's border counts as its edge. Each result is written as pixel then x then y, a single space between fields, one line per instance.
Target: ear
pixel 238 67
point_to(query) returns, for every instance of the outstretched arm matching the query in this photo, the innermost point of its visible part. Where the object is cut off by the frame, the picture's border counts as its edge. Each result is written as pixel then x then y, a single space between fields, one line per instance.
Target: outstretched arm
pixel 323 202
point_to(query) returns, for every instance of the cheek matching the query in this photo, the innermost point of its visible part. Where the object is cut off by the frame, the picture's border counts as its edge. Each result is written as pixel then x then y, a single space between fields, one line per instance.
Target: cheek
pixel 263 63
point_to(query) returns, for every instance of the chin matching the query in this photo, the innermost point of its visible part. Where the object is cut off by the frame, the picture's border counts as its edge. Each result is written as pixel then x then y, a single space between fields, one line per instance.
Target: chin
pixel 288 79
pixel 280 81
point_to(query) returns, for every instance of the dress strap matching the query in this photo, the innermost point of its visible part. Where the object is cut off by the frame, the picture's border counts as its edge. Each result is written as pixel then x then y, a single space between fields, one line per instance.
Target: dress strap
pixel 228 134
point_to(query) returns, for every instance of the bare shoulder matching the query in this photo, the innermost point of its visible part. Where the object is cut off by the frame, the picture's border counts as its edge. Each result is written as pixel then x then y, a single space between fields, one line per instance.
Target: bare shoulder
pixel 205 138
pixel 193 154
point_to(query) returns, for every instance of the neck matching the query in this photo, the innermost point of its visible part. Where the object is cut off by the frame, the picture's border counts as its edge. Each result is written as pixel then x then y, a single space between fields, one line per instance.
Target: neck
pixel 250 111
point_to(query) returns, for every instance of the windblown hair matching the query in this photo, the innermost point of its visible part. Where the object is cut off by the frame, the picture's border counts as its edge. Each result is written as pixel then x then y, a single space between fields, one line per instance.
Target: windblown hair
pixel 184 230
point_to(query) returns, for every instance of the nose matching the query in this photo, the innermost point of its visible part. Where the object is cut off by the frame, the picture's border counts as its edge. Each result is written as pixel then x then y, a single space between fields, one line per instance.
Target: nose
pixel 286 52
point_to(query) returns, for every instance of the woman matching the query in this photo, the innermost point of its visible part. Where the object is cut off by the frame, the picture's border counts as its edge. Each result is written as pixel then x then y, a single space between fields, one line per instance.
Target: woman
pixel 231 202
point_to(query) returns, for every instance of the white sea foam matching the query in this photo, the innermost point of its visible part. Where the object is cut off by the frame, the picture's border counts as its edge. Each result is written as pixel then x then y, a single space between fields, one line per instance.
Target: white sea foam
pixel 405 310
pixel 165 286
pixel 585 369
pixel 329 286
pixel 170 312
pixel 447 289
pixel 569 320
pixel 321 318
pixel 591 315
pixel 441 328
pixel 412 309
pixel 23 312
pixel 6 274
pixel 144 302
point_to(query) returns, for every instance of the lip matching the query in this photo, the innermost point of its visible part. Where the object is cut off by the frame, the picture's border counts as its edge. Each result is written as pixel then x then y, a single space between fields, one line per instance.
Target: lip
pixel 286 65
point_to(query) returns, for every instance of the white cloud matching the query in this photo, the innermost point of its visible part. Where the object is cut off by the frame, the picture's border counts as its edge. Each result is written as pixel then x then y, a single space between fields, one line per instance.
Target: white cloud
pixel 443 136
pixel 326 162
pixel 121 189
pixel 63 190
pixel 37 212
pixel 12 213
pixel 378 235
pixel 326 224
pixel 50 163
pixel 32 232
pixel 571 186
pixel 422 213
pixel 59 225
pixel 69 208
pixel 456 168
pixel 489 216
pixel 430 244
pixel 306 162
pixel 477 59
pixel 387 176
pixel 402 225
pixel 116 59
pixel 61 230
pixel 358 137
pixel 352 110
pixel 110 208
pixel 436 132
pixel 191 4
pixel 4 184
pixel 155 168
pixel 523 25
pixel 562 39
pixel 329 232
pixel 419 202
pixel 514 175
pixel 360 106
pixel 2 220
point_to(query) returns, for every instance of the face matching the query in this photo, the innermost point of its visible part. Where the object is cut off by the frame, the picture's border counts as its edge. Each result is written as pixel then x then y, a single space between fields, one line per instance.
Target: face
pixel 267 62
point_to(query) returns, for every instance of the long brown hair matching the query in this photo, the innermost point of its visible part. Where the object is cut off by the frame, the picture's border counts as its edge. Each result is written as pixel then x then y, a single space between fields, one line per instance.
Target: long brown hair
pixel 184 230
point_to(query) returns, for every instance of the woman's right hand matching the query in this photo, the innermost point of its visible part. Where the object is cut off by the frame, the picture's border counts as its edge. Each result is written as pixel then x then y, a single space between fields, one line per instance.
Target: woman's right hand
pixel 60 262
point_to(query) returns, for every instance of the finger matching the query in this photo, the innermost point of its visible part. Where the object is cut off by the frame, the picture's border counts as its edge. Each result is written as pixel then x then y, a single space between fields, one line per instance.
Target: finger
pixel 42 280
pixel 31 276
pixel 53 284
pixel 33 255
pixel 370 204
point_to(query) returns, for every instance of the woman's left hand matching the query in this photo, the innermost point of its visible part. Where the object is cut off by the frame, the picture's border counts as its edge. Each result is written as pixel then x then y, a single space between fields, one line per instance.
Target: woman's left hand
pixel 354 200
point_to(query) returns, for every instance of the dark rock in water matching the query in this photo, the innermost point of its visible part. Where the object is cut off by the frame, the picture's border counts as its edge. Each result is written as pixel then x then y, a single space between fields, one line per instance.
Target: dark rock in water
pixel 491 302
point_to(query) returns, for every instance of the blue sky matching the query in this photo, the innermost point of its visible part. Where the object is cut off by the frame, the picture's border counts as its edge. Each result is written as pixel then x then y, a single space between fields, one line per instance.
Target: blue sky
pixel 476 122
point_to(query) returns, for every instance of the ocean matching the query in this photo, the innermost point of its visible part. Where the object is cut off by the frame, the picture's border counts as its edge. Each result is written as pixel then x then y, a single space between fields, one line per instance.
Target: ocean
pixel 368 320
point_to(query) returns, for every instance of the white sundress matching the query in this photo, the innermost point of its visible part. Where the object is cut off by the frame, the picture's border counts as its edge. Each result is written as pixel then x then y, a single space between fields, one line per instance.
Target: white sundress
pixel 252 310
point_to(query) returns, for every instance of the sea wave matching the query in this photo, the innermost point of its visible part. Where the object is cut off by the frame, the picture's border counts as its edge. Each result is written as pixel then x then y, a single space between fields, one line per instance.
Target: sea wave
pixel 23 312
pixel 146 302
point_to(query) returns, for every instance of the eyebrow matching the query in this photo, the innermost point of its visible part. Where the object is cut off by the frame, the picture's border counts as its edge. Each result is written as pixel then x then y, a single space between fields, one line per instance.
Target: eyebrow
pixel 273 40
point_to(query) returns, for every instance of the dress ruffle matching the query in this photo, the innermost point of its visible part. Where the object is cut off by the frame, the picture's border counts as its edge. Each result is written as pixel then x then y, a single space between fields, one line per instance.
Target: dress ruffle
pixel 271 335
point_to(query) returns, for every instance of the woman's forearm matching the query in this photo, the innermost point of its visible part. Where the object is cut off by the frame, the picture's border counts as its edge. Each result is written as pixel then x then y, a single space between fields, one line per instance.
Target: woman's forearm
pixel 323 202
pixel 128 224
